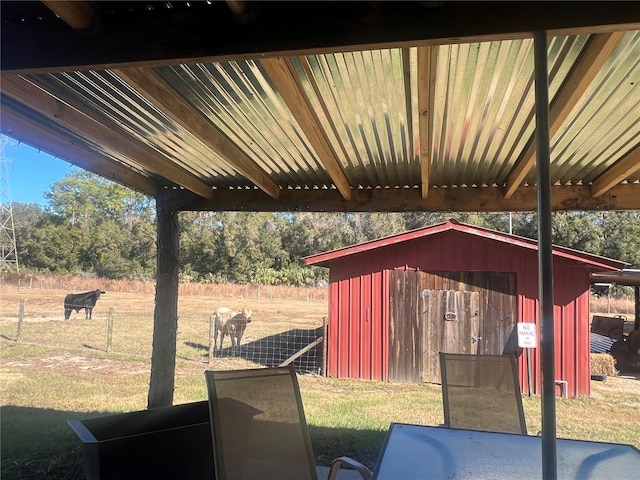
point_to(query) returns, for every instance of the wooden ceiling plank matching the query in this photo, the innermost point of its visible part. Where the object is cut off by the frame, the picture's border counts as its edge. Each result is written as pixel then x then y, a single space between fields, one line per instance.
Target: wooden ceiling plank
pixel 166 99
pixel 35 134
pixel 288 86
pixel 460 199
pixel 619 172
pixel 77 14
pixel 593 57
pixel 427 62
pixel 56 110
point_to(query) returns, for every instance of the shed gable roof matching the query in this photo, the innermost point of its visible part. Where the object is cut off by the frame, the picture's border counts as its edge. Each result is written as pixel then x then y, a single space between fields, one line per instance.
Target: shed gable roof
pixel 597 262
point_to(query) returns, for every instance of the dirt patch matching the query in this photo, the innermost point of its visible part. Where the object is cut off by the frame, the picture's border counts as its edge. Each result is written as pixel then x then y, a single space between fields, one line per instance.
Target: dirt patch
pixel 69 362
pixel 629 382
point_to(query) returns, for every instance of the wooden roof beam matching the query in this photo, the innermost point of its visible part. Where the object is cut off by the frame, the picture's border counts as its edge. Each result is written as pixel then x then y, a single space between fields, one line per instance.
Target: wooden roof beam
pixel 288 86
pixel 427 62
pixel 32 133
pixel 77 14
pixel 244 12
pixel 57 111
pixel 621 171
pixel 280 30
pixel 593 57
pixel 166 99
pixel 459 199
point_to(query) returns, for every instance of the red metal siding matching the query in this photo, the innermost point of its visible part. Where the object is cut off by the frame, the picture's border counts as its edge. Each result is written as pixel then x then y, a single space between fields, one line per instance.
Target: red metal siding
pixel 359 292
pixel 358 323
pixel 384 316
pixel 366 342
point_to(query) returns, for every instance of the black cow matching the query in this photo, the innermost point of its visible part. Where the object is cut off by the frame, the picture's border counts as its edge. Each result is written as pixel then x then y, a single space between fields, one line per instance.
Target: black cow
pixel 78 301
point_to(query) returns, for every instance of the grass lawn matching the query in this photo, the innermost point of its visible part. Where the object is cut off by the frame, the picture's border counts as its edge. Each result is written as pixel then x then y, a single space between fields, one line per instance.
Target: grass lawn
pixel 60 370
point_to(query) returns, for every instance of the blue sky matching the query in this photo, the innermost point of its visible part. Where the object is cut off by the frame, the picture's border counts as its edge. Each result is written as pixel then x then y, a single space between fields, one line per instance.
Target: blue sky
pixel 31 173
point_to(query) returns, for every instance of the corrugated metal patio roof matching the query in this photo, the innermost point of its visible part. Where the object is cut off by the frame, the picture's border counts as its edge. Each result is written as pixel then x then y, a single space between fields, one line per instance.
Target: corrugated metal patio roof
pixel 422 122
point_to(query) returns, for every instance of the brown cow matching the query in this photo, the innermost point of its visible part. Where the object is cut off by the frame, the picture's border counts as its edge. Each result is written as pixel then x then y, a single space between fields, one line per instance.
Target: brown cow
pixel 230 322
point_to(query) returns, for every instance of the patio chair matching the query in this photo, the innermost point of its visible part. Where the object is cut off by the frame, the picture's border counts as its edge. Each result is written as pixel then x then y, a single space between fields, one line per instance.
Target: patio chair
pixel 259 429
pixel 482 392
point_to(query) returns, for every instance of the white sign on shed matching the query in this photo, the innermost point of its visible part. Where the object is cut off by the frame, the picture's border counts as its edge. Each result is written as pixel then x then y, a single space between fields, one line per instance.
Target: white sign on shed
pixel 527 335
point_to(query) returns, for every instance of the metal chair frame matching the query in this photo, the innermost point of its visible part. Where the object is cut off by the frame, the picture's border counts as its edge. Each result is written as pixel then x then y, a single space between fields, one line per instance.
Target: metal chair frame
pixel 512 381
pixel 214 379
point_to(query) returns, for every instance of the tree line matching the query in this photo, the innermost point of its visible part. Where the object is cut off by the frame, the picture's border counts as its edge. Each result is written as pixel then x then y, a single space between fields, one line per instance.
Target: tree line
pixel 90 225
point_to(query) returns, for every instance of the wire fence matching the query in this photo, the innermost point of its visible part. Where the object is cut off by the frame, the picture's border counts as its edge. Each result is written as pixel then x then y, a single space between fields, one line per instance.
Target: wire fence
pixel 73 283
pixel 302 347
pixel 280 333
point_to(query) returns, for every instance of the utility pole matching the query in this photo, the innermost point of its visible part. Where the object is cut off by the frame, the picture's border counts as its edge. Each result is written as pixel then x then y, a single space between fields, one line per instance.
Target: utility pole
pixel 8 250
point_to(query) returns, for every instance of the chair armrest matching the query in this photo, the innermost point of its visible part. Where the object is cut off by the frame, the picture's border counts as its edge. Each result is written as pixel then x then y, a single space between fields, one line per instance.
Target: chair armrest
pixel 350 462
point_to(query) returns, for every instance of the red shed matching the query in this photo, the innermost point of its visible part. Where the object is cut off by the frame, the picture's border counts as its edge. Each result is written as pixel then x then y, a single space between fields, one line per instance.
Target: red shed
pixel 395 302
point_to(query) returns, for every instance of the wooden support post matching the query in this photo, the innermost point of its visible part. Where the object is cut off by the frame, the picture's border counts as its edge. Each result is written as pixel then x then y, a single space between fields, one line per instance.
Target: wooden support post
pixel 20 320
pixel 636 325
pixel 165 317
pixel 211 338
pixel 110 329
pixel 325 345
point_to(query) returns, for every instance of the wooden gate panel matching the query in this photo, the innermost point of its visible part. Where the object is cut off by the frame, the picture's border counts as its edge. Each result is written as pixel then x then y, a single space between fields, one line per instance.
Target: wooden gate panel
pixel 405 331
pixel 452 325
pixel 498 331
pixel 485 307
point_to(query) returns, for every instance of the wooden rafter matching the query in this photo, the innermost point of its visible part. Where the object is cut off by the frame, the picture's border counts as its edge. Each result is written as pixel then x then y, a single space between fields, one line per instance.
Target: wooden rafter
pixel 288 86
pixel 33 133
pixel 629 164
pixel 166 99
pixel 595 53
pixel 414 139
pixel 243 11
pixel 77 14
pixel 57 111
pixel 237 7
pixel 427 61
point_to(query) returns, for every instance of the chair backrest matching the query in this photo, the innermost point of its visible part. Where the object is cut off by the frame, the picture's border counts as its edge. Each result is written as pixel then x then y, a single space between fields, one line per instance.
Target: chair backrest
pixel 258 425
pixel 482 392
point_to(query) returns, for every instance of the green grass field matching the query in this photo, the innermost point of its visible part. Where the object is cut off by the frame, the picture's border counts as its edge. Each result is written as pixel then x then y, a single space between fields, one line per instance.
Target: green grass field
pixel 61 370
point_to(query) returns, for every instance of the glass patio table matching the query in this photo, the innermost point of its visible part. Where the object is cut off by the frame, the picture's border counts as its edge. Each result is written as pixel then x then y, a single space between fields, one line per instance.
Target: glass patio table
pixel 424 452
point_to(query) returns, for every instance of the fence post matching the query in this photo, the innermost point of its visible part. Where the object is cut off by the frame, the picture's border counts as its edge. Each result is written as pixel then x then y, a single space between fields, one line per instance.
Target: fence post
pixel 258 292
pixel 110 329
pixel 20 320
pixel 18 284
pixel 211 339
pixel 325 346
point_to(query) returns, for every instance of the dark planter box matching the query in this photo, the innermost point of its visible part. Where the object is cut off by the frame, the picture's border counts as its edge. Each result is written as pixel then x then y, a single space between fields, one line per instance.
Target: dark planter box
pixel 168 443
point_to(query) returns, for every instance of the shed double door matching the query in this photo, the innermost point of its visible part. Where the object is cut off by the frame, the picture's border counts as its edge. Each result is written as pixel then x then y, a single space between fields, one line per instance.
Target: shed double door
pixel 456 312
